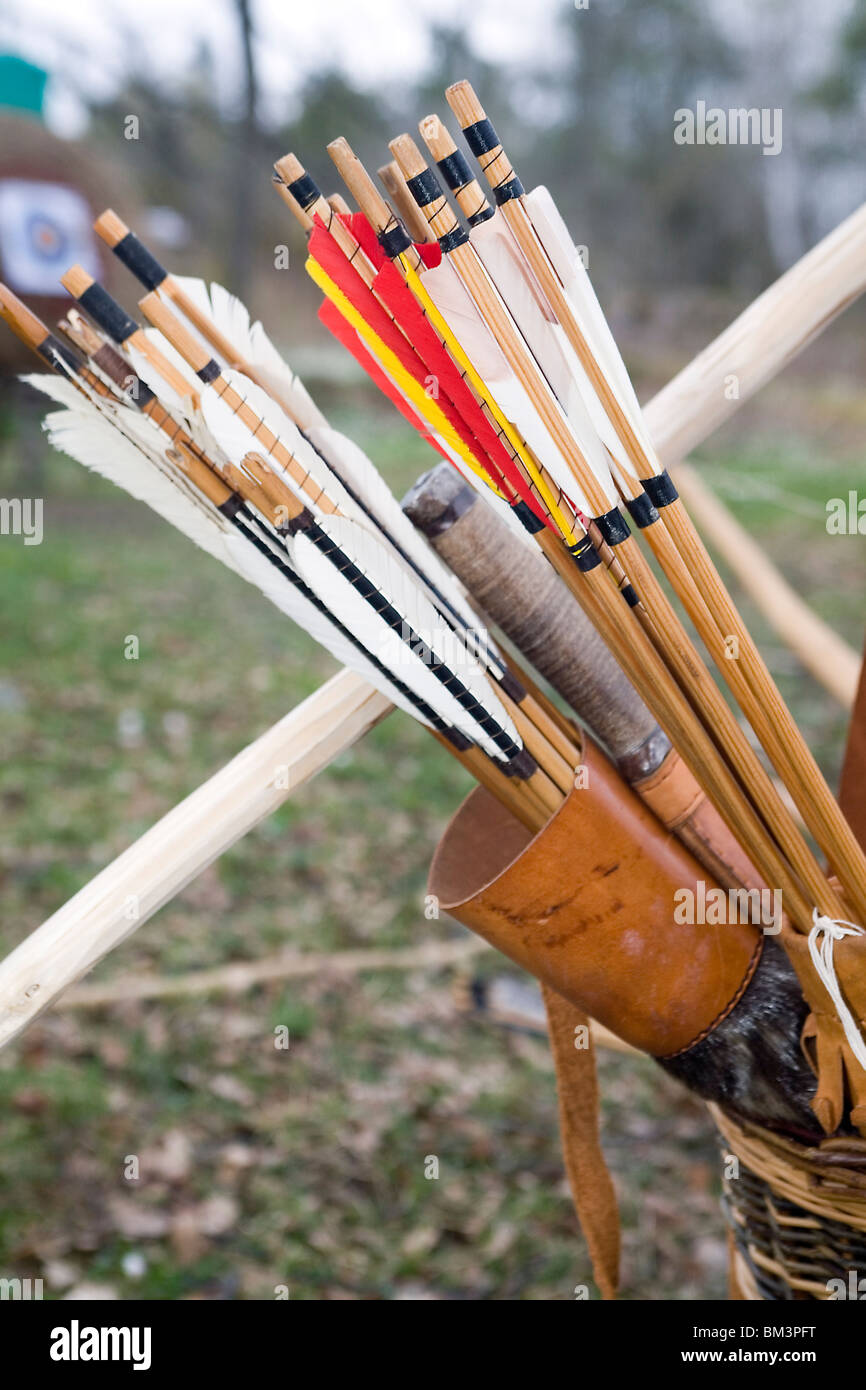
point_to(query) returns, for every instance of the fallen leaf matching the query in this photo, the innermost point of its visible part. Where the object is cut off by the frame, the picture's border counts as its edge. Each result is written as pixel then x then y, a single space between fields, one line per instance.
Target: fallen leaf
pixel 170 1159
pixel 132 1218
pixel 217 1214
pixel 420 1241
pixel 230 1088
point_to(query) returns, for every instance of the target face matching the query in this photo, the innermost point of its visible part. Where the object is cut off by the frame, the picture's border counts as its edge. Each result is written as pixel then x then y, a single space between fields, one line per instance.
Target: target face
pixel 44 228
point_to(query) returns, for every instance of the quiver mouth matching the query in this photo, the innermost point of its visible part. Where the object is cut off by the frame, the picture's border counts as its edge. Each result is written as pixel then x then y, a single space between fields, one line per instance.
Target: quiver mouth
pixel 587 906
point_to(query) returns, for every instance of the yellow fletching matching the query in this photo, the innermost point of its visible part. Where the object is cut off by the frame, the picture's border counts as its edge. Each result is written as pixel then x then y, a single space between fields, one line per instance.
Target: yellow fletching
pixel 412 389
pixel 519 445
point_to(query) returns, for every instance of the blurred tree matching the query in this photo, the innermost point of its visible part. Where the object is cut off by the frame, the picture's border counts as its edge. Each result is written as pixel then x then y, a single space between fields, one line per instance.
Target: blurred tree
pixel 247 178
pixel 501 89
pixel 453 58
pixel 330 104
pixel 594 118
pixel 672 212
pixel 835 173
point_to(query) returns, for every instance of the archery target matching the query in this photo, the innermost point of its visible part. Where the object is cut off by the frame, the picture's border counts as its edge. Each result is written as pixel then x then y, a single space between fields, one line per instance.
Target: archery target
pixel 44 228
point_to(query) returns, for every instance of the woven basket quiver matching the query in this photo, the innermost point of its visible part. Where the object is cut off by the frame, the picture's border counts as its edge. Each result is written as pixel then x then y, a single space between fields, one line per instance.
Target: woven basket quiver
pixel 796 1212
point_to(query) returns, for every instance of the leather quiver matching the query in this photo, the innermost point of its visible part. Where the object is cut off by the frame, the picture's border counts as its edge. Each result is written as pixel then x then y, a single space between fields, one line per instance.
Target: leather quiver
pixel 680 803
pixel 588 905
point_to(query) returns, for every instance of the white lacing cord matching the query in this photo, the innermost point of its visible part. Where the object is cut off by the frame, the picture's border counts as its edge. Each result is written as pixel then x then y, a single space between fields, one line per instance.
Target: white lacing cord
pixel 825 931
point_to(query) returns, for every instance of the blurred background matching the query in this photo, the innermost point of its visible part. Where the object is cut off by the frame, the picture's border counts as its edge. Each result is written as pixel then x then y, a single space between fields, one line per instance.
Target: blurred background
pixel 304 1168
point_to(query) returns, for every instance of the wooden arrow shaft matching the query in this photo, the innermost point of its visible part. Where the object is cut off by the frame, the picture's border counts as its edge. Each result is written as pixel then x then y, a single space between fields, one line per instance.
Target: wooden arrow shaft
pixel 148 874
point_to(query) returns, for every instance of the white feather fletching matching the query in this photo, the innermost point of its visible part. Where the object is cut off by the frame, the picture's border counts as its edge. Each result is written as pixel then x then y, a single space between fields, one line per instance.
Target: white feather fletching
pixel 390 577
pixel 153 378
pixel 589 315
pixel 457 307
pixel 121 444
pixel 281 381
pixel 237 439
pixel 182 408
pixel 282 593
pixel 251 342
pixel 197 291
pixel 93 440
pixel 363 477
pixel 57 388
pixel 504 262
pixel 366 482
pixel 348 461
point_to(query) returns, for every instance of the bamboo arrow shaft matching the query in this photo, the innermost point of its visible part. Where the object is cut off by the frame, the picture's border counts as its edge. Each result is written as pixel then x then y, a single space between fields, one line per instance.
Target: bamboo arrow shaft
pixel 687 564
pixel 646 671
pixel 663 625
pixel 769 715
pixel 691 570
pixel 684 413
pixel 755 778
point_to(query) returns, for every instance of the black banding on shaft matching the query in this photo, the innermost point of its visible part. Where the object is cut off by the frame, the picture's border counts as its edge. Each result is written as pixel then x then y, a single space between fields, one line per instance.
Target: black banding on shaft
pixel 231 506
pixel 458 236
pixel 511 685
pixel 458 740
pixel 660 490
pixel 585 555
pixel 394 240
pixel 455 170
pixel 51 348
pixel 305 191
pixel 105 311
pixel 484 213
pixel 613 527
pixel 457 174
pixel 425 188
pixel 209 372
pixel 522 766
pixel 629 593
pixel 527 518
pixel 643 513
pixel 481 137
pixel 504 192
pixel 304 521
pixel 136 257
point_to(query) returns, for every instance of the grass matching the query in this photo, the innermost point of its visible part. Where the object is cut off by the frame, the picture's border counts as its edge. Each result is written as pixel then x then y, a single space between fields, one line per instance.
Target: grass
pixel 259 1168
